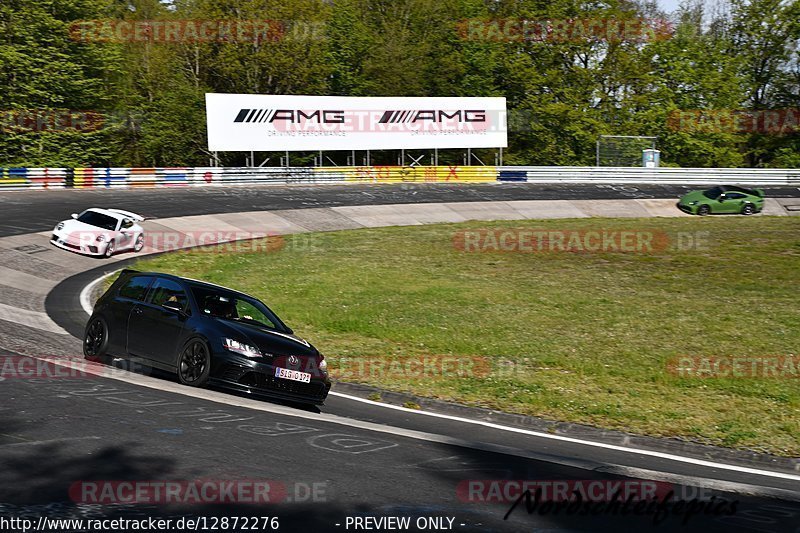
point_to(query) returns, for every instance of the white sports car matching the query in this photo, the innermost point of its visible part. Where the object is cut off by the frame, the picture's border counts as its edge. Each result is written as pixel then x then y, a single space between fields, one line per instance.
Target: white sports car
pixel 100 232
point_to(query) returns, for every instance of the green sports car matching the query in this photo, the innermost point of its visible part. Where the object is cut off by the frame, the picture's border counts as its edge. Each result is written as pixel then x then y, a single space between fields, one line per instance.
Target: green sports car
pixel 723 199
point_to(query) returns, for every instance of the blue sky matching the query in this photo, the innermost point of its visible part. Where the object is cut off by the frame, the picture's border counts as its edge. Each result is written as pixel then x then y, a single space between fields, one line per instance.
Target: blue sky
pixel 669 5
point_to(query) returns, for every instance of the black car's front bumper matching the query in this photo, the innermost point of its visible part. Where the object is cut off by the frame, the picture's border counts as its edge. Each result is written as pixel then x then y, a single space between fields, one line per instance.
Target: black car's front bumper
pixel 244 375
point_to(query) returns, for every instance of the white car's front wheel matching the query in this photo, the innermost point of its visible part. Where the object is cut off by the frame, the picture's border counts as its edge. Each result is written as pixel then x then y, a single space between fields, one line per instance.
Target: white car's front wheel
pixel 139 244
pixel 110 248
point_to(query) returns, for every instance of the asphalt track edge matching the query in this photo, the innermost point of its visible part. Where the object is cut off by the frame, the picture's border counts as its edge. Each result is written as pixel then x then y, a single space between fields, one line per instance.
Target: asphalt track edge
pixel 225 399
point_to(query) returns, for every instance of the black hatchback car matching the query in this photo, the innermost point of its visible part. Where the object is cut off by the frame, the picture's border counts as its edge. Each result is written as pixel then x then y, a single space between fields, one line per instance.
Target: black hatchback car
pixel 206 334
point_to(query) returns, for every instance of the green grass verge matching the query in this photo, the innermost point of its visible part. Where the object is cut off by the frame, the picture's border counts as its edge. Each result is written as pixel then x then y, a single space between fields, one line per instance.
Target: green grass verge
pixel 578 337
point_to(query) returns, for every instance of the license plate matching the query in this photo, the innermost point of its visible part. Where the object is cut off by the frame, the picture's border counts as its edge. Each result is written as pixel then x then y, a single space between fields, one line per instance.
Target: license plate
pixel 294 375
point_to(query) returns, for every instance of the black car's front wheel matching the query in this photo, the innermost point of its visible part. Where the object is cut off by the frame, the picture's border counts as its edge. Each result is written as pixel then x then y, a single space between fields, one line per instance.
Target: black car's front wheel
pixel 748 209
pixel 95 341
pixel 194 363
pixel 703 210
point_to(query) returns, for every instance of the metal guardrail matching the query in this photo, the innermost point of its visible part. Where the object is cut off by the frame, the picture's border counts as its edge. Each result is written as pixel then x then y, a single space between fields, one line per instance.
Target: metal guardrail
pixel 92 178
pixel 666 175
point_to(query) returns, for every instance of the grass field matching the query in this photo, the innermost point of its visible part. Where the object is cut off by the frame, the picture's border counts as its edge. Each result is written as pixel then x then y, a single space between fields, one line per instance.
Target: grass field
pixel 582 337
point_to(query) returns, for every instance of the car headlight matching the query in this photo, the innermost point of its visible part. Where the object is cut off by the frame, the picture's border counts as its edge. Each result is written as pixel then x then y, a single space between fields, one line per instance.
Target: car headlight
pixel 241 348
pixel 101 238
pixel 693 203
pixel 60 226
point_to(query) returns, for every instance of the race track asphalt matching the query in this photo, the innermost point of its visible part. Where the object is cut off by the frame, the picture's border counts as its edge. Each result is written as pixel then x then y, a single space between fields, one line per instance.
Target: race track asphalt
pixel 30 211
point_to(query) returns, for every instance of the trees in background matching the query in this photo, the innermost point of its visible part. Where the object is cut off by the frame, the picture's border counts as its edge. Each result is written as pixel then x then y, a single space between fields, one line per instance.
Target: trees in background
pixel 47 79
pixel 140 102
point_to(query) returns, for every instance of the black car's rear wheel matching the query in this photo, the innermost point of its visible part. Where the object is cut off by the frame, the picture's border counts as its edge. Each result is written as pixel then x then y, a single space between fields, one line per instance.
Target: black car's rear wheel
pixel 703 210
pixel 95 341
pixel 194 363
pixel 748 209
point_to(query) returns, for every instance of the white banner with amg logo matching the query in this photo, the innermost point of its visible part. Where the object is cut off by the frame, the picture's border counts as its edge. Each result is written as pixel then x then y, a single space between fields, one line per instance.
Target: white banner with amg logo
pixel 259 122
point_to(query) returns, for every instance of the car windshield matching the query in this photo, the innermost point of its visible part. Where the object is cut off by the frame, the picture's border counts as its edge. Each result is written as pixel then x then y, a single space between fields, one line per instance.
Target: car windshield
pixel 713 193
pixel 93 218
pixel 743 190
pixel 228 305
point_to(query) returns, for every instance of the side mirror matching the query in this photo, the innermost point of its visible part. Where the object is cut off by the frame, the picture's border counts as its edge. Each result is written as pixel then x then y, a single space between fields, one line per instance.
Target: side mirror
pixel 74 215
pixel 721 197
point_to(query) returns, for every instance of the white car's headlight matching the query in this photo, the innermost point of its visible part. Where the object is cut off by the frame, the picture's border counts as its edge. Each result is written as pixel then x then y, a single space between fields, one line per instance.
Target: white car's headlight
pixel 101 238
pixel 60 226
pixel 241 348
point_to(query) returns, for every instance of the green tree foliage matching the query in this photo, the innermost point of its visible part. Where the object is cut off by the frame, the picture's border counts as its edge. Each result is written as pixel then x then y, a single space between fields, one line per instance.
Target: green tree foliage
pixel 564 87
pixel 44 74
pixel 765 35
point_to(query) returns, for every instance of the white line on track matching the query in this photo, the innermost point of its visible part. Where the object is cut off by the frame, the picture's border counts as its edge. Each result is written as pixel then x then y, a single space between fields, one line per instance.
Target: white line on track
pixel 276 409
pixel 415 434
pixel 639 451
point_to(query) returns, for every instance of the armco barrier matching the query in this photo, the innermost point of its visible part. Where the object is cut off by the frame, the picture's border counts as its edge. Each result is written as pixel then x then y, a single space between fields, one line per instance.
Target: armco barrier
pixel 666 175
pixel 93 178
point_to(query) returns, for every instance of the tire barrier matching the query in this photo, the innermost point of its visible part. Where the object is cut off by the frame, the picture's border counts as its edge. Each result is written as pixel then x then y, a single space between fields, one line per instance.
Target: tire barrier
pixel 103 178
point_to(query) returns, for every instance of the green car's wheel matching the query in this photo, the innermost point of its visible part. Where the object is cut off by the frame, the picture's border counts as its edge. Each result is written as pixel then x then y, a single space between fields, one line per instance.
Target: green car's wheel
pixel 703 210
pixel 748 209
